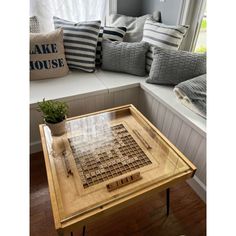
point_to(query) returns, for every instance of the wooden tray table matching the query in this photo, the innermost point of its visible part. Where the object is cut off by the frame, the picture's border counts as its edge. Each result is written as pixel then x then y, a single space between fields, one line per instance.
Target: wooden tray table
pixel 106 161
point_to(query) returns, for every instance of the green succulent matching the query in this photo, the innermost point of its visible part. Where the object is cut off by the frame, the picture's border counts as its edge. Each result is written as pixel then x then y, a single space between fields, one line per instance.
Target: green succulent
pixel 53 111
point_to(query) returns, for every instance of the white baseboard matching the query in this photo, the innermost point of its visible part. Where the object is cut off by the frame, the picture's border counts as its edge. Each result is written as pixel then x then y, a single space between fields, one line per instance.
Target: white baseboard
pixel 35 147
pixel 199 188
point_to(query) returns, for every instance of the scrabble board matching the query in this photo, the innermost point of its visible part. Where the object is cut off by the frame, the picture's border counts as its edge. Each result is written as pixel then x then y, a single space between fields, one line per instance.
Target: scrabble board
pixel 112 152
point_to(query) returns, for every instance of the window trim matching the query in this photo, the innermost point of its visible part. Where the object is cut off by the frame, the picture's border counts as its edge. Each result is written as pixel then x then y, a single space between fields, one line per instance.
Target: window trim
pixel 184 11
pixel 191 13
pixel 198 24
pixel 111 7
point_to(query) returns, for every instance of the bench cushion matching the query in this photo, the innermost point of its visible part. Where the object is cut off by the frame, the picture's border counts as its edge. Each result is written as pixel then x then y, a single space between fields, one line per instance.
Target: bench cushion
pixel 75 84
pixel 118 81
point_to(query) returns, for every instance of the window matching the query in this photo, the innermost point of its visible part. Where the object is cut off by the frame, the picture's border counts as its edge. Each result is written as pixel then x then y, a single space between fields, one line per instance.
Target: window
pixel 201 40
pixel 72 10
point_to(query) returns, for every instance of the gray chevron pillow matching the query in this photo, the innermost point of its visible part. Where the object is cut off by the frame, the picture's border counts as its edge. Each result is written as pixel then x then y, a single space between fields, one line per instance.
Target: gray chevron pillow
pixel 124 57
pixel 172 67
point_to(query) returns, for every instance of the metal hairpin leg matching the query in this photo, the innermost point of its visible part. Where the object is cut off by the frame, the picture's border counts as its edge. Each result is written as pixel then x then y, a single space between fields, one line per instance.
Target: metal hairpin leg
pixel 167 201
pixel 84 230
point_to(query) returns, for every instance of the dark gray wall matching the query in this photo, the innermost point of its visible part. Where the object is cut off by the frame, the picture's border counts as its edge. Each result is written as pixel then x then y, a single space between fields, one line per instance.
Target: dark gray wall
pixel 129 7
pixel 169 9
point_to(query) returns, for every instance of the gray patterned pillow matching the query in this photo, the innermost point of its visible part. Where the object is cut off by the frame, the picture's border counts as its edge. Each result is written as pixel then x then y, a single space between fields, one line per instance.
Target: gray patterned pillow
pixel 171 67
pixel 124 57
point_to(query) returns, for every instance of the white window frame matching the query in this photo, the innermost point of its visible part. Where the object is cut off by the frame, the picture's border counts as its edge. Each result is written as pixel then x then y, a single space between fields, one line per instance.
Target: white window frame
pixel 184 11
pixel 191 13
pixel 198 24
pixel 111 8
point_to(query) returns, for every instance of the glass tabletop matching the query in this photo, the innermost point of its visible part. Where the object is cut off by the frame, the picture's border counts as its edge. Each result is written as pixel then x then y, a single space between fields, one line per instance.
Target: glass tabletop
pixel 107 148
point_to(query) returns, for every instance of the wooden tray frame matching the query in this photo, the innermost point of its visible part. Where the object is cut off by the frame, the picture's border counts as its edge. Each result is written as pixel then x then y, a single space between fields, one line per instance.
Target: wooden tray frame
pixel 69 224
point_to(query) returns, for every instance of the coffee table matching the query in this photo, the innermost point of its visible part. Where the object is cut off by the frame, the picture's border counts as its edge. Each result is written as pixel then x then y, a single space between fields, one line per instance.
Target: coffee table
pixel 106 161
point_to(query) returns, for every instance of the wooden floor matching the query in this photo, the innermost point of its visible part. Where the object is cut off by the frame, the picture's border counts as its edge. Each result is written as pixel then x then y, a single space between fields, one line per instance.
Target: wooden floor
pixel 187 215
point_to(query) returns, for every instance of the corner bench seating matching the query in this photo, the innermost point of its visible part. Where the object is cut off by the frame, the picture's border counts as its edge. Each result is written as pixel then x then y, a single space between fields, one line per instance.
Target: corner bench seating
pixel 89 92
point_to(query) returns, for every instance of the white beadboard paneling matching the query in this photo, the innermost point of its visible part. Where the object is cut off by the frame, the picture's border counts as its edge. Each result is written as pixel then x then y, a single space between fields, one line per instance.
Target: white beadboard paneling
pixel 202 172
pixel 118 98
pixel 135 97
pixel 155 106
pixel 160 116
pixel 108 100
pixel 200 161
pixel 127 96
pixel 153 111
pixel 183 136
pixel 142 101
pixel 168 123
pixel 166 96
pixel 131 96
pixel 76 107
pixel 192 145
pixel 175 129
pixel 90 105
pixel 100 102
pixel 148 108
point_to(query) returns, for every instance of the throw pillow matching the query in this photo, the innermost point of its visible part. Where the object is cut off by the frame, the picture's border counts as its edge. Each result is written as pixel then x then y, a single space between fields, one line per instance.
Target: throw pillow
pixel 192 94
pixel 34 24
pixel 161 35
pixel 134 25
pixel 111 33
pixel 171 67
pixel 47 58
pixel 124 57
pixel 80 42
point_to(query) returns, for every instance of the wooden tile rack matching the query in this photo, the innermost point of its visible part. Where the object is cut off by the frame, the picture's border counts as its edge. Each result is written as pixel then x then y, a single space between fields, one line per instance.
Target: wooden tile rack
pixel 123 182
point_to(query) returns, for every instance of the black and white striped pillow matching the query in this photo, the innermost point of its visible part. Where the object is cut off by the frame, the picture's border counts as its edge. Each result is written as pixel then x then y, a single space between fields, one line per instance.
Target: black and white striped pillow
pixel 161 35
pixel 80 42
pixel 111 33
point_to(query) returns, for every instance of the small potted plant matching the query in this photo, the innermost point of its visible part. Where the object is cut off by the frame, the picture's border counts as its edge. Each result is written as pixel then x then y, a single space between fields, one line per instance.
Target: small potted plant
pixel 54 114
